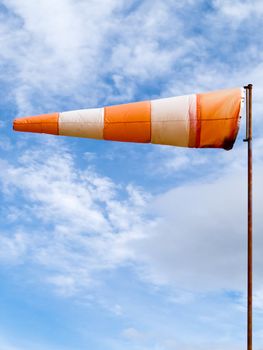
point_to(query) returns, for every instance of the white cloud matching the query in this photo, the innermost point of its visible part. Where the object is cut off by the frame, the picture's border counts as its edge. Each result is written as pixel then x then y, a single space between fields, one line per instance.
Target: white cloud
pixel 132 334
pixel 64 285
pixel 171 161
pixel 194 238
pixel 50 53
pixel 239 10
pixel 12 247
pixel 104 52
pixel 199 242
pixel 90 156
pixel 74 223
pixel 100 51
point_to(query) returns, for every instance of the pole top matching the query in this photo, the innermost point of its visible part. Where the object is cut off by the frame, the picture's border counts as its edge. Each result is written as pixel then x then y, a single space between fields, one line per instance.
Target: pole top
pixel 249 86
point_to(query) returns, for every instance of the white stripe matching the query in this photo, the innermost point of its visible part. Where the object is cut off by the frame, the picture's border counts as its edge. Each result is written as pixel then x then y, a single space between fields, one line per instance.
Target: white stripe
pixel 170 120
pixel 82 123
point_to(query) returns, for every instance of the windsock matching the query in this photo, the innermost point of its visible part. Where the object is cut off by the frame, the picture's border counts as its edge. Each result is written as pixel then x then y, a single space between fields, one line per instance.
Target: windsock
pixel 206 120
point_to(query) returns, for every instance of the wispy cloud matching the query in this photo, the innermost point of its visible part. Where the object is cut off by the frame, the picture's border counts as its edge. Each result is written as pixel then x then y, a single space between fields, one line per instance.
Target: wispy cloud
pixel 83 223
pixel 239 10
pixel 199 242
pixel 115 51
pixel 89 224
pixel 71 226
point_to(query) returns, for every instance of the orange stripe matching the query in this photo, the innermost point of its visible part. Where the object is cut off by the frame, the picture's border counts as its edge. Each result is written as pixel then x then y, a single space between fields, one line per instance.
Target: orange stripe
pixel 128 122
pixel 219 114
pixel 44 123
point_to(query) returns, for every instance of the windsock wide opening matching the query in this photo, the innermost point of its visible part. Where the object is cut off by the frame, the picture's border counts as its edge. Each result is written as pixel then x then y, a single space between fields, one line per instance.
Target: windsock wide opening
pixel 218 118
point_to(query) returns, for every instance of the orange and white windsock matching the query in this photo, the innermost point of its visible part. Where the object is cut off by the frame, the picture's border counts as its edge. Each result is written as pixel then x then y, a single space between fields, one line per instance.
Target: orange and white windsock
pixel 199 120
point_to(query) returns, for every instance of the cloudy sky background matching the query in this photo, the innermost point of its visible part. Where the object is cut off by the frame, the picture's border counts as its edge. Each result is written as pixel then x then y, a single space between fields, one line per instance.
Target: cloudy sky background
pixel 123 246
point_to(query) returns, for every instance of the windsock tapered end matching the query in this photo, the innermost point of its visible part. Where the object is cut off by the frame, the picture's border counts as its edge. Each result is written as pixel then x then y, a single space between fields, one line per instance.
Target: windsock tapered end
pixel 45 123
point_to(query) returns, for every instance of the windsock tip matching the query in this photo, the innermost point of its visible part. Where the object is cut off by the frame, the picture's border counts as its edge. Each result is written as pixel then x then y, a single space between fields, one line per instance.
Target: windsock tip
pixel 45 123
pixel 18 124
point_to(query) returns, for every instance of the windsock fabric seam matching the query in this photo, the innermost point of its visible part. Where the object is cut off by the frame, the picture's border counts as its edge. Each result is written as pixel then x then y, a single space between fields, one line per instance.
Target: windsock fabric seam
pixel 192 122
pixel 198 121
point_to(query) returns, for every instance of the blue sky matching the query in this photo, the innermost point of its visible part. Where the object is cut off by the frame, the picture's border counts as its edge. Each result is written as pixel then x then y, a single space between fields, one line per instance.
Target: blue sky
pixel 118 246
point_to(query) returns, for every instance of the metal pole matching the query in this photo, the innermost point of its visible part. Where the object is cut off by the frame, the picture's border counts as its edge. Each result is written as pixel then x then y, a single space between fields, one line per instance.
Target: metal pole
pixel 249 220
